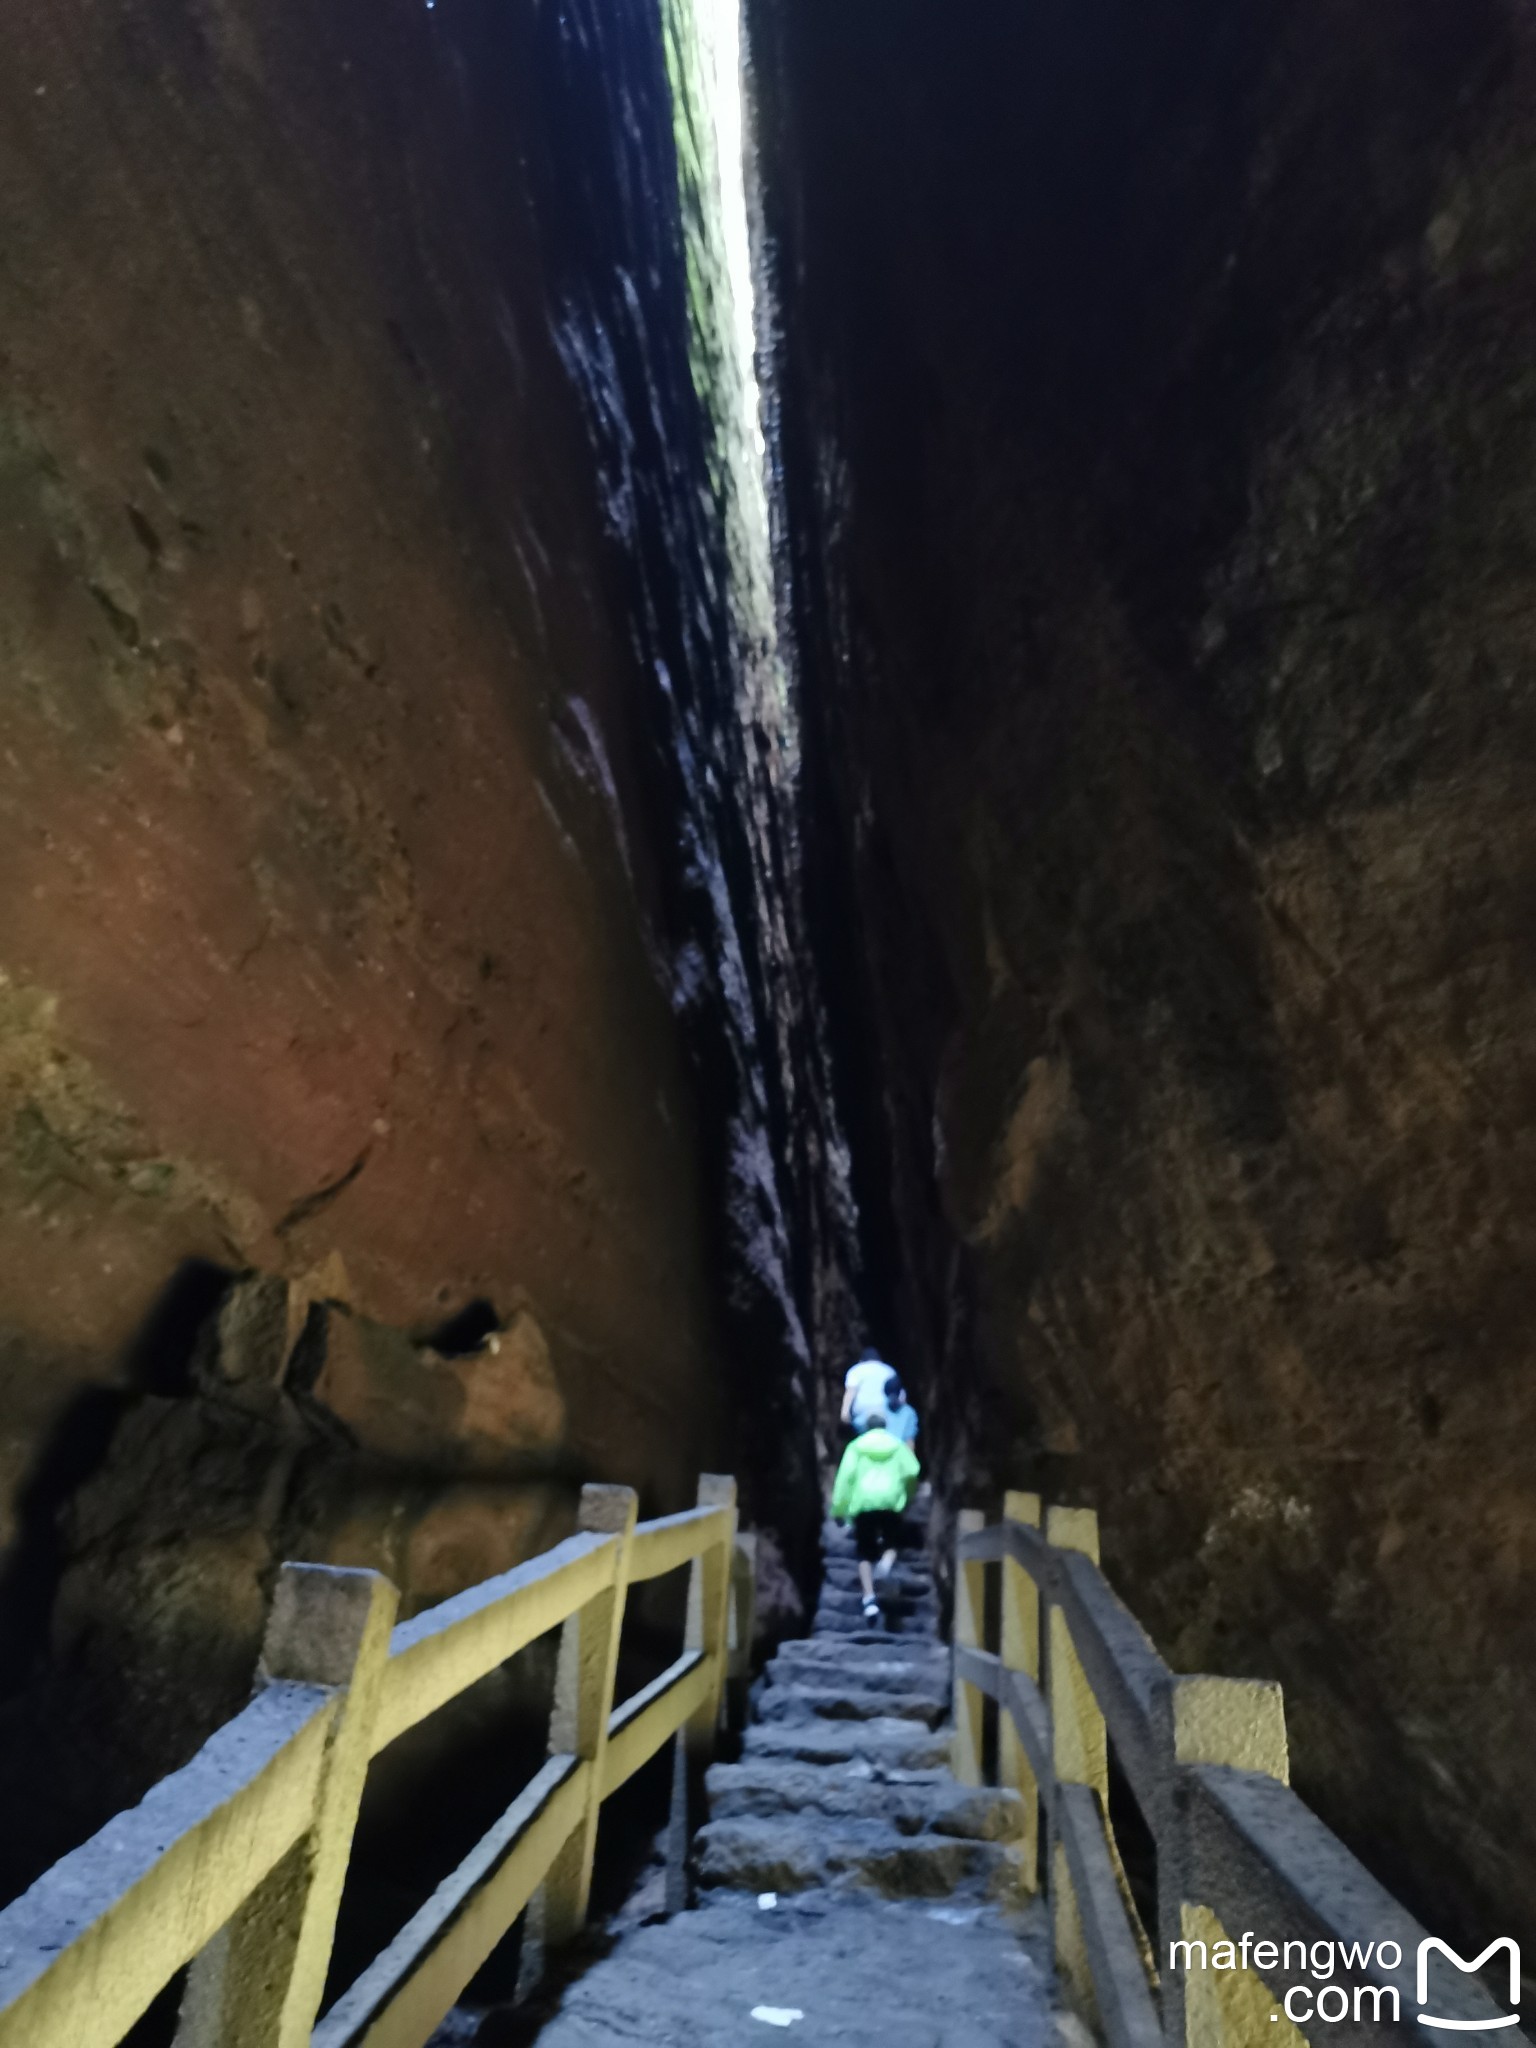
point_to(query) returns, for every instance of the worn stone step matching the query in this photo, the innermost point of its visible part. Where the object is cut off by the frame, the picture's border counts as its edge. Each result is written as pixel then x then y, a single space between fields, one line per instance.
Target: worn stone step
pixel 908 1559
pixel 889 1590
pixel 920 1628
pixel 793 1854
pixel 841 1548
pixel 843 1576
pixel 868 1680
pixel 902 1745
pixel 801 1702
pixel 849 1599
pixel 917 1514
pixel 877 1650
pixel 863 1972
pixel 928 1802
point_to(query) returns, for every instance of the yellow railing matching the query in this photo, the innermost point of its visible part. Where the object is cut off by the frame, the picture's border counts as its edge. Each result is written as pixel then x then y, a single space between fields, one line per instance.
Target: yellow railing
pixel 236 1864
pixel 1240 1860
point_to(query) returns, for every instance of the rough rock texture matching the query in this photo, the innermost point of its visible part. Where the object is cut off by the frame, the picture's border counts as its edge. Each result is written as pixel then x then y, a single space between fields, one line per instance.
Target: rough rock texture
pixel 317 930
pixel 1161 436
pixel 377 923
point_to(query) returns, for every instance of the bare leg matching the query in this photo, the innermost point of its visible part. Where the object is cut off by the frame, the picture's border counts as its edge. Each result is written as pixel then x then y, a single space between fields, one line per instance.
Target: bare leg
pixel 887 1564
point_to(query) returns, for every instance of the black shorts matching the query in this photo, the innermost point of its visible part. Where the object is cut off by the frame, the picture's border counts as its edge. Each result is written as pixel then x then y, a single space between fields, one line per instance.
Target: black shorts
pixel 876 1533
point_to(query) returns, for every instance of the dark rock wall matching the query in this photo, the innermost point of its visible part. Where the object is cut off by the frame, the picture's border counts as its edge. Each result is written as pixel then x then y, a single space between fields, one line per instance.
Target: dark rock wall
pixel 371 918
pixel 1161 435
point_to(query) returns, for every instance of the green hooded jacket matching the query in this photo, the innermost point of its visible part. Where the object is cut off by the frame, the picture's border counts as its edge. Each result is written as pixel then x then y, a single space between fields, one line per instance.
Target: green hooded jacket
pixel 878 1472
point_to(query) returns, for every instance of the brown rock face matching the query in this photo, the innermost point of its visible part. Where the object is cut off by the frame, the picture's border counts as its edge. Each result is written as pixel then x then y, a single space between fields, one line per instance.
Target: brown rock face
pixel 1161 442
pixel 369 936
pixel 317 931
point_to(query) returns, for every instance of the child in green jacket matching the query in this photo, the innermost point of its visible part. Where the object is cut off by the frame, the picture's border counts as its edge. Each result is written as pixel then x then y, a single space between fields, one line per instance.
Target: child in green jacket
pixel 874 1484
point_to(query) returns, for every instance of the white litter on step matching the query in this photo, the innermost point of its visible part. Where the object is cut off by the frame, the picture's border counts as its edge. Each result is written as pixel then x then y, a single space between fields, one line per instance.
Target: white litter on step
pixel 777 2015
pixel 766 1901
pixel 955 1916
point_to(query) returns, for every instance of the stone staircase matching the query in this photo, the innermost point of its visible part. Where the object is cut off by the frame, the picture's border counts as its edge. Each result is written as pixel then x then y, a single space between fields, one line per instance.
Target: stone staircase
pixel 844 1778
pixel 850 1889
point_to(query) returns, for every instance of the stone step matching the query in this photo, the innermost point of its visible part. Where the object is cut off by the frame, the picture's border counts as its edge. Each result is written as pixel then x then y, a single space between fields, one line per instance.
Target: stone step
pixel 919 1628
pixel 928 1802
pixel 840 1548
pixel 848 1653
pixel 849 1599
pixel 885 1743
pixel 868 1680
pixel 915 1520
pixel 794 1854
pixel 801 1702
pixel 844 1576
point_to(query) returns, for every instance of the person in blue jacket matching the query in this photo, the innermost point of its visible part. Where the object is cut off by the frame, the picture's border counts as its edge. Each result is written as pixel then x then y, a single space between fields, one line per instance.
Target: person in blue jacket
pixel 900 1415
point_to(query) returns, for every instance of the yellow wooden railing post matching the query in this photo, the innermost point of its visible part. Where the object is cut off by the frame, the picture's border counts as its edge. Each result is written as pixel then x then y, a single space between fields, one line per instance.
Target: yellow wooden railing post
pixel 970 1626
pixel 1239 1723
pixel 709 1611
pixel 1079 1754
pixel 1020 1651
pixel 578 1724
pixel 708 1631
pixel 258 1984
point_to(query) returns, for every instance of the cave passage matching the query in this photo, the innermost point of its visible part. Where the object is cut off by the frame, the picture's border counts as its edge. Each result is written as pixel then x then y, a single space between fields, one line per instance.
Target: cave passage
pixel 691 685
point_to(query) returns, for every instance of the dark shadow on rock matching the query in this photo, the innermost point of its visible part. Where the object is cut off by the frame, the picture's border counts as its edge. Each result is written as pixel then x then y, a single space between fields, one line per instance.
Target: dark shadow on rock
pixel 466 1331
pixel 157 1361
pixel 75 1450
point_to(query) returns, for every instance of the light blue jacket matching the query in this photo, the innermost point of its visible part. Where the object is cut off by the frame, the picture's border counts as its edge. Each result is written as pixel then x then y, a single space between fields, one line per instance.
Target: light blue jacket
pixel 902 1423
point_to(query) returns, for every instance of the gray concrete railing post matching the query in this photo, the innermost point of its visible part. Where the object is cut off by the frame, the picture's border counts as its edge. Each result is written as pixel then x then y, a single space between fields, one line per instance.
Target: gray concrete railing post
pixel 578 1722
pixel 969 1630
pixel 1079 1756
pixel 1239 1723
pixel 578 1726
pixel 708 1630
pixel 1020 1651
pixel 258 1983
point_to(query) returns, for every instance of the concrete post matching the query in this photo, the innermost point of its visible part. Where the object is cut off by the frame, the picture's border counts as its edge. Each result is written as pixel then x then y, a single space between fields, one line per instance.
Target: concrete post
pixel 708 1629
pixel 709 1611
pixel 258 1984
pixel 1079 1756
pixel 970 1628
pixel 578 1723
pixel 1020 1651
pixel 1239 1723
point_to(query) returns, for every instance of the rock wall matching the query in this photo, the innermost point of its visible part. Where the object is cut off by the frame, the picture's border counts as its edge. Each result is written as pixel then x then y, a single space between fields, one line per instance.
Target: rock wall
pixel 370 938
pixel 1160 435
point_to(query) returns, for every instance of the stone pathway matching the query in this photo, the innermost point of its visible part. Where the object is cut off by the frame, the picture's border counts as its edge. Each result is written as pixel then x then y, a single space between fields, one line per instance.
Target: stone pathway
pixel 850 1890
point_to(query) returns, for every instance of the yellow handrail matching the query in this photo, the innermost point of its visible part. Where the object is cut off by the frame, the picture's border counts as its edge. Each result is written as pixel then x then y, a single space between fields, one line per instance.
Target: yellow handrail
pixel 676 1539
pixel 446 1650
pixel 236 1863
pixel 1206 1759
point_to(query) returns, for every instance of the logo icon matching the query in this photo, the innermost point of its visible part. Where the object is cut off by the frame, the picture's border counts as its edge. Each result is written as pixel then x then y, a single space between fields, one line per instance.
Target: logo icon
pixel 1433 1941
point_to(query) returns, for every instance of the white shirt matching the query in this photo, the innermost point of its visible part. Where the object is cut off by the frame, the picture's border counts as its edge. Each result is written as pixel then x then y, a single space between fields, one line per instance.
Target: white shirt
pixel 867 1380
